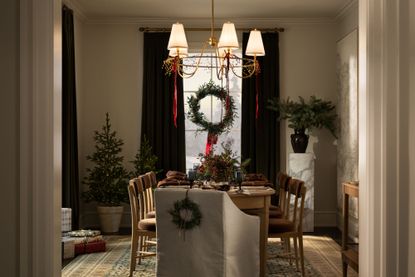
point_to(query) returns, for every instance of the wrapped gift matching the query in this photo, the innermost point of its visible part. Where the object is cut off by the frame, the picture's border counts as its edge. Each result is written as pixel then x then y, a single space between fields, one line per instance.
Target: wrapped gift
pixel 79 240
pixel 84 233
pixel 66 219
pixel 68 248
pixel 90 247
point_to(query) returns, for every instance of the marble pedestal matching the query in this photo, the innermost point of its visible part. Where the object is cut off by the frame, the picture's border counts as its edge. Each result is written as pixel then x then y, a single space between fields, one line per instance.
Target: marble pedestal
pixel 301 166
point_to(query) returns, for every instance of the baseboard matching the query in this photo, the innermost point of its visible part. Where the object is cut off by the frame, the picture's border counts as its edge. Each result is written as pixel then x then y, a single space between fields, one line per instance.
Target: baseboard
pixel 325 218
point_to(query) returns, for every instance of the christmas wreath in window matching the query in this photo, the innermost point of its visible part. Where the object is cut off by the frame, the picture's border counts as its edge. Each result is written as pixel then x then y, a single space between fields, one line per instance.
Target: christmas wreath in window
pixel 197 117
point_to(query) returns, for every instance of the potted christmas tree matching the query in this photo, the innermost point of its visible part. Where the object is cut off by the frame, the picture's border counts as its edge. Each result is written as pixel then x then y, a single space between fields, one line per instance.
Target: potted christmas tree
pixel 144 161
pixel 107 180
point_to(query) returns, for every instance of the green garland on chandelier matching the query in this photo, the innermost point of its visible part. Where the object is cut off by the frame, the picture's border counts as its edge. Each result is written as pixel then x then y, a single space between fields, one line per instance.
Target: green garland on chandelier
pixel 186 214
pixel 199 118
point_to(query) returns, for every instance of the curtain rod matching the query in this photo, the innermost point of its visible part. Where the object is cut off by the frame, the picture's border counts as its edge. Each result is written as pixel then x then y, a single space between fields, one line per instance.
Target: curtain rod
pixel 166 30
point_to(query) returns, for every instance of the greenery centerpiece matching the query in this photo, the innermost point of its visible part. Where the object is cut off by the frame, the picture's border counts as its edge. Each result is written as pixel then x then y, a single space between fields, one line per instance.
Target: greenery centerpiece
pixel 220 167
pixel 303 116
pixel 107 180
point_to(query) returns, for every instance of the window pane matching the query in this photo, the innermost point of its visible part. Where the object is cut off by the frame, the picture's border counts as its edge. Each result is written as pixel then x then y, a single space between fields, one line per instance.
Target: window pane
pixel 213 109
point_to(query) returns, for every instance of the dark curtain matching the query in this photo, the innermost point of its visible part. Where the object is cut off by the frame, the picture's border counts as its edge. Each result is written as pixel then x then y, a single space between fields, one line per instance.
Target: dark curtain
pixel 70 173
pixel 260 137
pixel 168 142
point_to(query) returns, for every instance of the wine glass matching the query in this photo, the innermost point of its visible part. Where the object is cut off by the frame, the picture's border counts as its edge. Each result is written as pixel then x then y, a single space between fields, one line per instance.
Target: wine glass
pixel 191 176
pixel 239 178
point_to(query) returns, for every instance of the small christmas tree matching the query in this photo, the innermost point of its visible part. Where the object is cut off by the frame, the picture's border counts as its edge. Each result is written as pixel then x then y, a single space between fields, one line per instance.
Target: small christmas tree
pixel 107 180
pixel 145 161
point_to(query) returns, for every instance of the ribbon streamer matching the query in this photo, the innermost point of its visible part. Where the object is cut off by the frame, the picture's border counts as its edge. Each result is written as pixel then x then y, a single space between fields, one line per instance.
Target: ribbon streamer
pixel 256 93
pixel 211 140
pixel 175 92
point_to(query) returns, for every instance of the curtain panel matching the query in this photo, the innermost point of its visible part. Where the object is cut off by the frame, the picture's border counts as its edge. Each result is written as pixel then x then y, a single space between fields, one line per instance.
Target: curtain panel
pixel 260 137
pixel 168 142
pixel 70 170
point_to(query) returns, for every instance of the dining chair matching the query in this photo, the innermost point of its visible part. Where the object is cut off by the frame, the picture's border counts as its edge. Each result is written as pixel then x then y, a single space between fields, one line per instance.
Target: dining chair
pixel 225 244
pixel 143 229
pixel 291 226
pixel 150 184
pixel 278 211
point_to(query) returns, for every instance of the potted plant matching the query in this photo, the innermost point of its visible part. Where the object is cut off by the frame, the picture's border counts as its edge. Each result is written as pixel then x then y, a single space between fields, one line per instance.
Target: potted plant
pixel 144 160
pixel 107 180
pixel 303 116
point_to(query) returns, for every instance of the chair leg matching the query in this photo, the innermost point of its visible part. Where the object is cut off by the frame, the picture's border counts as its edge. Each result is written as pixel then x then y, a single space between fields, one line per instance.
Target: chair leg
pixel 140 248
pixel 300 238
pixel 289 250
pixel 296 252
pixel 344 269
pixel 133 258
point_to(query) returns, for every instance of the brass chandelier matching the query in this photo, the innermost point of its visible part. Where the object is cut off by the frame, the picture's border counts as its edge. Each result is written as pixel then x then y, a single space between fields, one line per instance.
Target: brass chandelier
pixel 219 58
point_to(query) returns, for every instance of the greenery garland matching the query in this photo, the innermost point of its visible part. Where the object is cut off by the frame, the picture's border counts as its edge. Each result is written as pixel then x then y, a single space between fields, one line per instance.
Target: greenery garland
pixel 179 213
pixel 199 118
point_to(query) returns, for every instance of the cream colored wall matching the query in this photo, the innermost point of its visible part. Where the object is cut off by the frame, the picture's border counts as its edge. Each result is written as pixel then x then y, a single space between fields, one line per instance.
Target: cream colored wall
pixel 308 67
pixel 110 81
pixel 9 139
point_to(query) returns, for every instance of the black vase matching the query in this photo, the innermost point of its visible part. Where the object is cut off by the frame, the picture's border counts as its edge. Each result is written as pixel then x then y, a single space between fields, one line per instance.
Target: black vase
pixel 299 141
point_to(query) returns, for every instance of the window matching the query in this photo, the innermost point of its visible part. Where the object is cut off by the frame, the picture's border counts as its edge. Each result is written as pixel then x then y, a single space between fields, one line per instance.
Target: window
pixel 213 109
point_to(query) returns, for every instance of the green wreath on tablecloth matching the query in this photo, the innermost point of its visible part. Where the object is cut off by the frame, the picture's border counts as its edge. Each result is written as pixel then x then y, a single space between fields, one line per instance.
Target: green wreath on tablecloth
pixel 186 214
pixel 199 118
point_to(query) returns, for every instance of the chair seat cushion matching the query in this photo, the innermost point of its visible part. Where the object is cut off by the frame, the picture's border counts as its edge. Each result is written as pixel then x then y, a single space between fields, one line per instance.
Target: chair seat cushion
pixel 151 214
pixel 279 225
pixel 275 213
pixel 148 224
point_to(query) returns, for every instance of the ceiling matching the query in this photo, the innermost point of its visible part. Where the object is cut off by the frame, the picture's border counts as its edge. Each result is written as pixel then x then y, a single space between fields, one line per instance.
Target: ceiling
pixel 227 9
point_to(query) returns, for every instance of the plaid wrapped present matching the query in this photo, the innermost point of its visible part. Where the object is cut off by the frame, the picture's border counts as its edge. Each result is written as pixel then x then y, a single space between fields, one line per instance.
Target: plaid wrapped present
pixel 66 220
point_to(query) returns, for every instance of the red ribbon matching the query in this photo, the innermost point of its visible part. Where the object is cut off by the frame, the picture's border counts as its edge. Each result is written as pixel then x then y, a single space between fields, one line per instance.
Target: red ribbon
pixel 211 140
pixel 257 92
pixel 175 93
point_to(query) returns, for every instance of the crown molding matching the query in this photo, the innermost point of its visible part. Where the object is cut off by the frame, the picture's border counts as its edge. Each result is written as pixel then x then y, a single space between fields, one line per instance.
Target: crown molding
pixel 347 9
pixel 77 9
pixel 203 22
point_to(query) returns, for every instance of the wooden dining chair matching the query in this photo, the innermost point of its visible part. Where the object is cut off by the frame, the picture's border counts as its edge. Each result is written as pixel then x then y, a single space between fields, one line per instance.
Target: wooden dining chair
pixel 278 211
pixel 143 228
pixel 150 183
pixel 291 225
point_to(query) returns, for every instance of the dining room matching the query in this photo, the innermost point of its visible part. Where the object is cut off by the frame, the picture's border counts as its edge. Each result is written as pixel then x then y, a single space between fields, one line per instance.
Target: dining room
pixel 218 139
pixel 187 114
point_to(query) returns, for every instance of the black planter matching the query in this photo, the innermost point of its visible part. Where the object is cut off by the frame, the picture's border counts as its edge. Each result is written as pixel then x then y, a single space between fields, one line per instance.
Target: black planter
pixel 299 141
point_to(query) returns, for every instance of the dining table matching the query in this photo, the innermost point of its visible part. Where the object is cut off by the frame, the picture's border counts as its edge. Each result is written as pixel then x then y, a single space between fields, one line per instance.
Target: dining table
pixel 256 201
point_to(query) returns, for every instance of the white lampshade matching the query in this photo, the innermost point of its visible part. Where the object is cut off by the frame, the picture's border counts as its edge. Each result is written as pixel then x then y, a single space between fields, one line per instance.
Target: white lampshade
pixel 255 47
pixel 228 38
pixel 182 52
pixel 177 37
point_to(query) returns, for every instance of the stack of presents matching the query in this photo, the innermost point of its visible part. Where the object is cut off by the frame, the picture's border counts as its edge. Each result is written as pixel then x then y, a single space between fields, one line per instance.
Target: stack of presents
pixel 80 241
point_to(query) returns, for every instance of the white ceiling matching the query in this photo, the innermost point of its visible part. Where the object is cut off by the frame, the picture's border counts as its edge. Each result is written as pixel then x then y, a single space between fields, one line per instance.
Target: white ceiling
pixel 227 9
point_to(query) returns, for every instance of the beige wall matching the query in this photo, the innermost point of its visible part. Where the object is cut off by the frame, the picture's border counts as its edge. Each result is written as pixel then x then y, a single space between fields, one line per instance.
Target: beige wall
pixel 9 139
pixel 111 80
pixel 308 67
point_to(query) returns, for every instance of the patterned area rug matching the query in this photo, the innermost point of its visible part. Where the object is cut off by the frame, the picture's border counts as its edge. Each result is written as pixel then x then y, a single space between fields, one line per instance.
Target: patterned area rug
pixel 322 258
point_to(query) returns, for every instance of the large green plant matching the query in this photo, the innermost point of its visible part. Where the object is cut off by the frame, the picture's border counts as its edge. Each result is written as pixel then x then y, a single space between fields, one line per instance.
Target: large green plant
pixel 107 180
pixel 144 161
pixel 302 115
